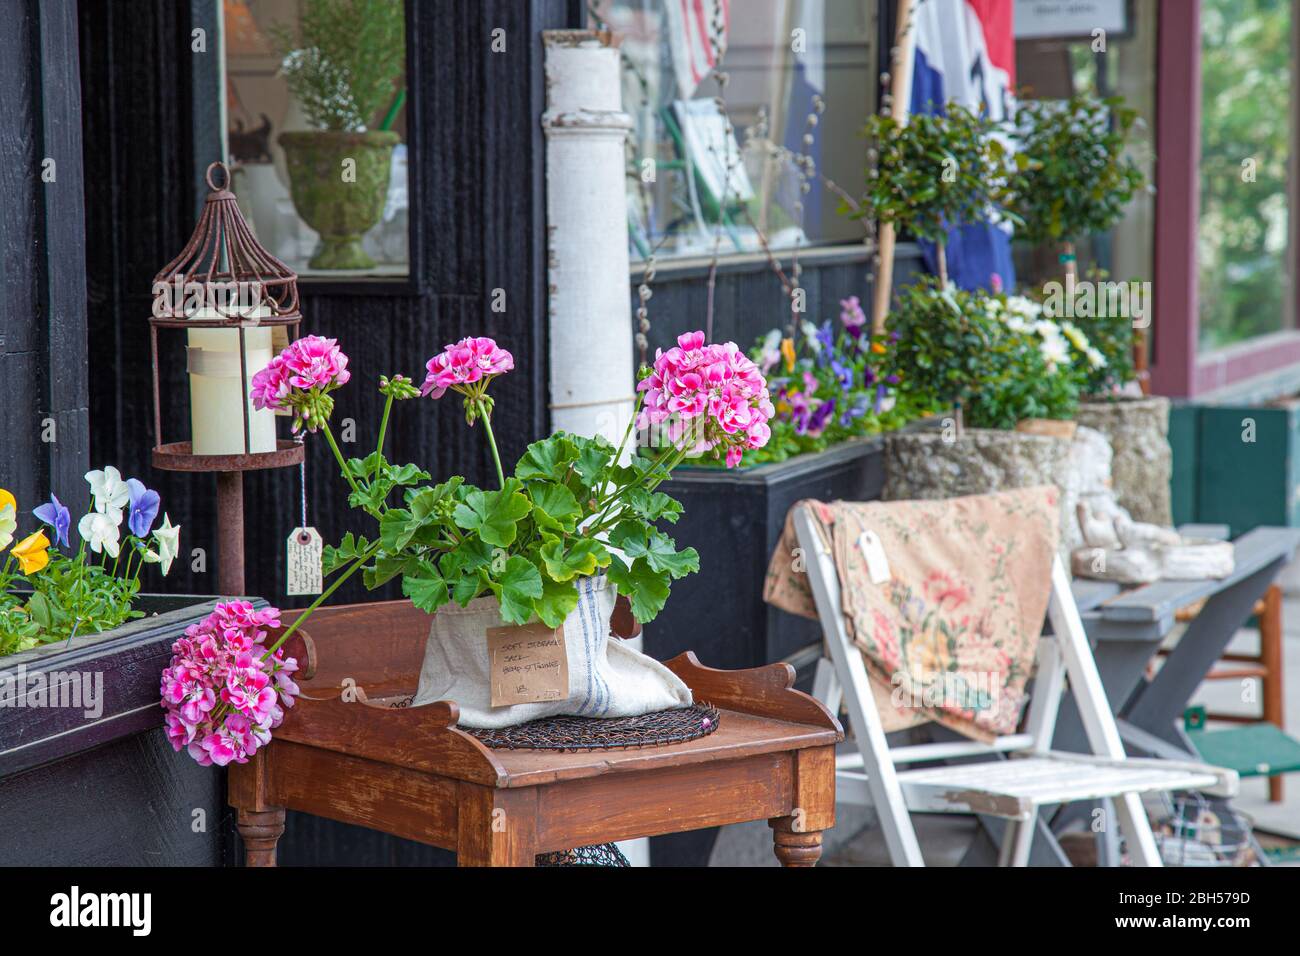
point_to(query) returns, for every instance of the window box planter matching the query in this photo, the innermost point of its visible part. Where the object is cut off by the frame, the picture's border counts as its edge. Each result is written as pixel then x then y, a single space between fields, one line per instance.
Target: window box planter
pixel 86 773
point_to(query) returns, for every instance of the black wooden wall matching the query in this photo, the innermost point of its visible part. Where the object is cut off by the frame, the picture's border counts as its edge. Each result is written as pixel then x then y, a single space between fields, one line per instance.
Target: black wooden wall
pixel 478 225
pixel 43 364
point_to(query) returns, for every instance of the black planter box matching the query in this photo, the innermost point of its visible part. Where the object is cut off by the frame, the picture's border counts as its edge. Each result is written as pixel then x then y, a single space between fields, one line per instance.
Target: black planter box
pixel 734 519
pixel 92 780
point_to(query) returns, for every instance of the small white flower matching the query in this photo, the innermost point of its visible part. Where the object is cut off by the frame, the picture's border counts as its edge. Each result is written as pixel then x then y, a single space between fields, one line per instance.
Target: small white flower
pixel 1054 352
pixel 1075 335
pixel 100 532
pixel 8 522
pixel 169 542
pixel 1095 358
pixel 110 491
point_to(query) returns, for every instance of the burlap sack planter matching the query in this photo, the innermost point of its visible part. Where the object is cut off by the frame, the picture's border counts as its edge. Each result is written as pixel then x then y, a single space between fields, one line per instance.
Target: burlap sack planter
pixel 923 465
pixel 607 678
pixel 1138 431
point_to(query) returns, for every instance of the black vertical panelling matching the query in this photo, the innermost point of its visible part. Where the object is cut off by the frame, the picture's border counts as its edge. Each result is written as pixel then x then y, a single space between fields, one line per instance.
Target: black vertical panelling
pixel 42 253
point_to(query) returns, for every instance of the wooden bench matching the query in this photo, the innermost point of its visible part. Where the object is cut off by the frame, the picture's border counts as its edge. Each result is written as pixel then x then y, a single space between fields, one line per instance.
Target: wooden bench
pixel 350 751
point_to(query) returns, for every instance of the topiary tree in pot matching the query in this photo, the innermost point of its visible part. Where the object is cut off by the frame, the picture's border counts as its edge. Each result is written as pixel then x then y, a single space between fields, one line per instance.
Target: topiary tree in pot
pixel 1074 176
pixel 934 172
pixel 344 66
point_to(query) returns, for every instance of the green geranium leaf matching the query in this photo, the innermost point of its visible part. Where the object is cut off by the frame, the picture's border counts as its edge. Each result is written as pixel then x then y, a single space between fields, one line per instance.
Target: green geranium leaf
pixel 424 501
pixel 593 460
pixel 396 529
pixel 406 474
pixel 557 602
pixel 575 558
pixel 425 587
pixel 385 568
pixel 646 588
pixel 653 505
pixel 655 547
pixel 494 515
pixel 364 469
pixel 348 550
pixel 516 587
pixel 548 459
pixel 554 506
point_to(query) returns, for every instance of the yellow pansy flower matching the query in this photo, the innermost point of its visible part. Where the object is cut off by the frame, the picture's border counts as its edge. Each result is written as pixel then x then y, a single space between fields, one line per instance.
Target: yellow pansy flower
pixel 6 498
pixel 879 348
pixel 787 353
pixel 32 552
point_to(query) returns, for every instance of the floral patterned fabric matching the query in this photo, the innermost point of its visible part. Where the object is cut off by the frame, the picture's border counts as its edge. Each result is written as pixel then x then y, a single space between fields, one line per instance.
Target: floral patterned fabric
pixel 952 634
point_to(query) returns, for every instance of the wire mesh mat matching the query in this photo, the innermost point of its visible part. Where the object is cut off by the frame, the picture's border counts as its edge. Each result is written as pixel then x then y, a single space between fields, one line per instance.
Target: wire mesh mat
pixel 602 854
pixel 573 734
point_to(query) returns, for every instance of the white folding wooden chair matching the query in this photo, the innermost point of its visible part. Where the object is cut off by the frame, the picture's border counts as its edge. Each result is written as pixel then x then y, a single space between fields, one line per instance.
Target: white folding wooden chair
pixel 1014 789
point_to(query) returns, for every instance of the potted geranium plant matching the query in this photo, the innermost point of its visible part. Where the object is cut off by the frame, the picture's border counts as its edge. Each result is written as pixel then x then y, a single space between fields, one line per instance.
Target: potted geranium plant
pixel 573 521
pixel 343 66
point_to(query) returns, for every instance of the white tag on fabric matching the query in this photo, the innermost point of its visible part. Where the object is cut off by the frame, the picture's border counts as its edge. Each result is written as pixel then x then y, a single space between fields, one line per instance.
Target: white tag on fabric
pixel 877 564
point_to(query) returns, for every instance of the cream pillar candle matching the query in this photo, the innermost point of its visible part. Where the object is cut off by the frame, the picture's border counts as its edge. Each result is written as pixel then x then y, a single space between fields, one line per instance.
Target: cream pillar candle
pixel 217 395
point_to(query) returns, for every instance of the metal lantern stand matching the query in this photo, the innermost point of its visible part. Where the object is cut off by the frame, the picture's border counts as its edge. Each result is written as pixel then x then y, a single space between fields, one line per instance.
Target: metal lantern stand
pixel 223 251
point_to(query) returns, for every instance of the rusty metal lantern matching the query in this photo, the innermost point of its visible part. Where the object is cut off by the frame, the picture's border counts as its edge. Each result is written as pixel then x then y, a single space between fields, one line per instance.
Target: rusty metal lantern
pixel 227 266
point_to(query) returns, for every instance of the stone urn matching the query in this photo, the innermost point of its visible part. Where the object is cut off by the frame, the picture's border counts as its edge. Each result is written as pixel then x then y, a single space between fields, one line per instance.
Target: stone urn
pixel 933 464
pixel 341 202
pixel 1138 432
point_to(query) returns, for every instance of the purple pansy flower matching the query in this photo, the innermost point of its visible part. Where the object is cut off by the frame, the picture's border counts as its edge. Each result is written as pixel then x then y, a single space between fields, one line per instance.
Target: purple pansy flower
pixel 821 415
pixel 144 507
pixel 57 517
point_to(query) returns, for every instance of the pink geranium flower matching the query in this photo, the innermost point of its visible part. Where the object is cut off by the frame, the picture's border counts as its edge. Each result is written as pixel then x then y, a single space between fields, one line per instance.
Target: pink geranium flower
pixel 466 363
pixel 300 379
pixel 710 397
pixel 222 692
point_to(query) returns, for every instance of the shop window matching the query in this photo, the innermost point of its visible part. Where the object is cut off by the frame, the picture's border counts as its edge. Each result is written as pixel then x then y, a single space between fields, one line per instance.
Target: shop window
pixel 1058 55
pixel 1243 242
pixel 690 183
pixel 316 131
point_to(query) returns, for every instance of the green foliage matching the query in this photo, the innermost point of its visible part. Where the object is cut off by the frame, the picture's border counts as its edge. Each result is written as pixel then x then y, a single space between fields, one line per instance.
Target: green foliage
pixel 1073 176
pixel 932 172
pixel 345 64
pixel 969 349
pixel 1247 106
pixel 68 596
pixel 527 543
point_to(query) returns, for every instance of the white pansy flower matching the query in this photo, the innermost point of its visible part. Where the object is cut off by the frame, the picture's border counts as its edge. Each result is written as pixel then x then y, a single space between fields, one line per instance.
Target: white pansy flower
pixel 1095 358
pixel 168 537
pixel 8 522
pixel 100 532
pixel 1055 352
pixel 1075 335
pixel 110 491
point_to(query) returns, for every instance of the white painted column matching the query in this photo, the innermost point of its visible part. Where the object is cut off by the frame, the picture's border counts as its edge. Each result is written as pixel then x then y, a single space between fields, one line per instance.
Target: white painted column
pixel 589 299
pixel 590 296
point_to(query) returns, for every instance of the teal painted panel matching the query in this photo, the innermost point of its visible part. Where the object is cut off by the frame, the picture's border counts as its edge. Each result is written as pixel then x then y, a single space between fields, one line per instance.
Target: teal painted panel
pixel 1247 474
pixel 1184 421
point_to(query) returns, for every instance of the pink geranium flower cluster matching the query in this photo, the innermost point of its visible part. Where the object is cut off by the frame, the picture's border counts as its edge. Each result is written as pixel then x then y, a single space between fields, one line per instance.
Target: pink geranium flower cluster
pixel 710 396
pixel 300 378
pixel 466 367
pixel 222 694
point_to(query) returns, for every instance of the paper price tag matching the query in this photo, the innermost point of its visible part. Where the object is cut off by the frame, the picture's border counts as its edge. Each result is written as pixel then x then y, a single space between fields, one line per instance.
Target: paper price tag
pixel 303 561
pixel 527 664
pixel 877 564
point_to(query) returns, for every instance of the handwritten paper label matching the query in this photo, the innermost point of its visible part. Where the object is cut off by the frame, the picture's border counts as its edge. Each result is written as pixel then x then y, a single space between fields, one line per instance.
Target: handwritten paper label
pixel 528 664
pixel 303 561
pixel 874 552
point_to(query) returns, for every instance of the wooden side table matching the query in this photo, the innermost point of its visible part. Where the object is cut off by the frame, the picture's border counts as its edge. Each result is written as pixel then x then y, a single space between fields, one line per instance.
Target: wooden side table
pixel 348 751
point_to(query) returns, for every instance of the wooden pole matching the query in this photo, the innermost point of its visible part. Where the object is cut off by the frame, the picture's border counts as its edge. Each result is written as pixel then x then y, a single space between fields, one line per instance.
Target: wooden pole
pixel 900 91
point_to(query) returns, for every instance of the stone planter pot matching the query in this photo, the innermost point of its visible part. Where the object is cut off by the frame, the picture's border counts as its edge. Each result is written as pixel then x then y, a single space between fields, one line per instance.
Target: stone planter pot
pixel 923 465
pixel 342 211
pixel 87 776
pixel 1138 432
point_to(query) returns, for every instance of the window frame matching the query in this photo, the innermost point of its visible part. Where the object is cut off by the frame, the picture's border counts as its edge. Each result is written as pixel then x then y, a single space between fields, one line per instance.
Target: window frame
pixel 314 284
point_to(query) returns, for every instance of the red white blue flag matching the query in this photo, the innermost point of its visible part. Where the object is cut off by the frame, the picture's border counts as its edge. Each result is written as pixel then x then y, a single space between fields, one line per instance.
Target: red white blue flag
pixel 965 52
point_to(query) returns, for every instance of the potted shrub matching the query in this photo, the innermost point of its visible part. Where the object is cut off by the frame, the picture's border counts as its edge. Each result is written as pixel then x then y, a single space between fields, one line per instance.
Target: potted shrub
pixel 80 652
pixel 343 68
pixel 1076 180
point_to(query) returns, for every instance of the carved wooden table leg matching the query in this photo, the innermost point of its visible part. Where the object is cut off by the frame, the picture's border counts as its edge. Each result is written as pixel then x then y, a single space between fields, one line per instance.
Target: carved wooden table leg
pixel 495 827
pixel 260 831
pixel 794 847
